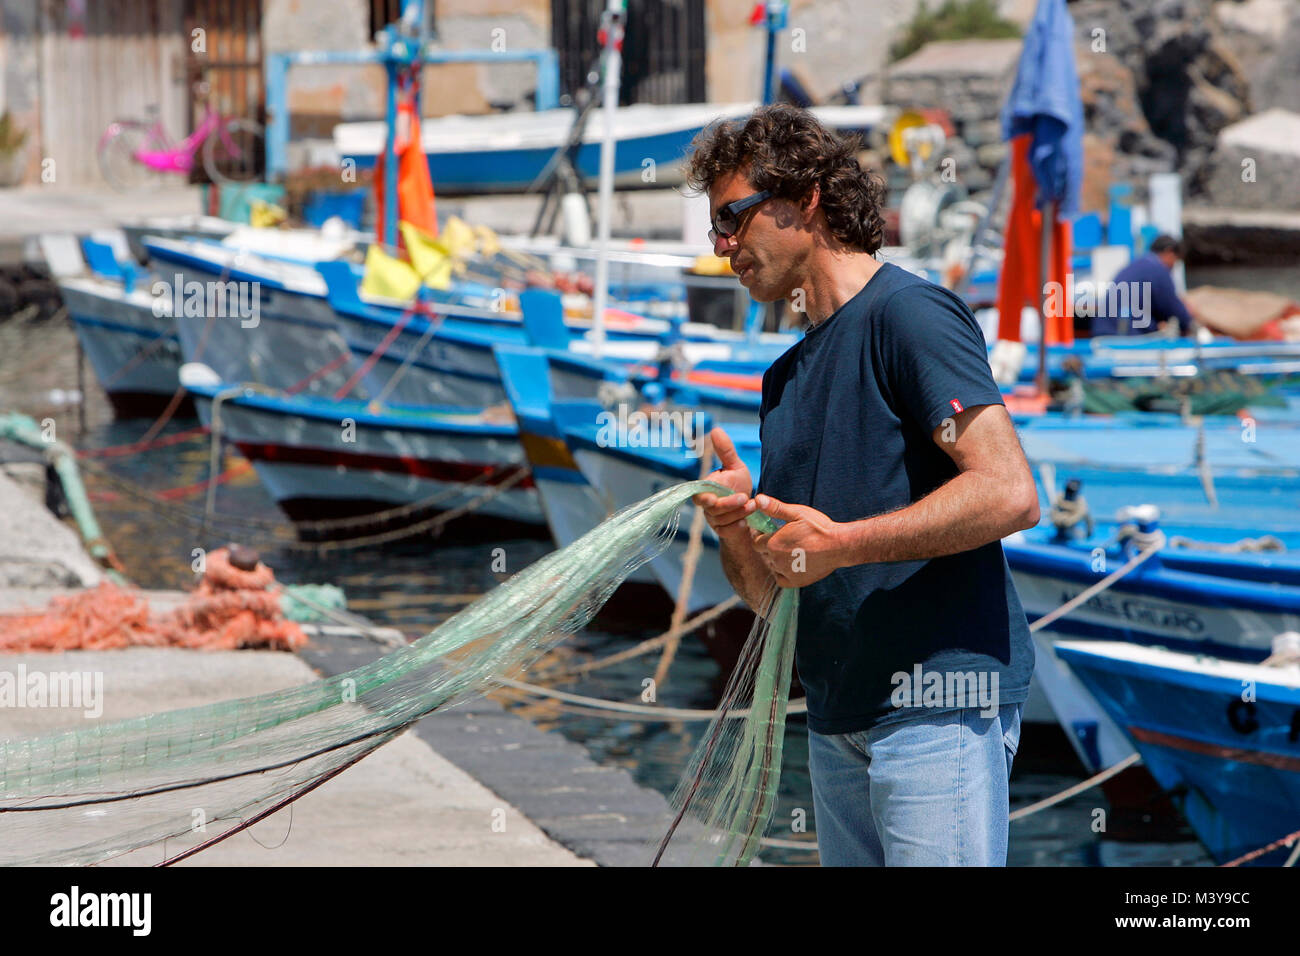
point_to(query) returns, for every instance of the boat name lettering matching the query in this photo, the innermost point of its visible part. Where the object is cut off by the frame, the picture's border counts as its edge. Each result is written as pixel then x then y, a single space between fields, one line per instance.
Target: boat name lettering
pixel 1152 615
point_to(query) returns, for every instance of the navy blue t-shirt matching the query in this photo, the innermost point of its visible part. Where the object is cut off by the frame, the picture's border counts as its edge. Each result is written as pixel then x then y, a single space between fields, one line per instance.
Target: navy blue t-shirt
pixel 847 420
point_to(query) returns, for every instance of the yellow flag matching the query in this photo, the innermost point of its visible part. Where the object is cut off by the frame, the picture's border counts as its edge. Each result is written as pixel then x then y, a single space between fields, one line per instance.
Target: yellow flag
pixel 488 244
pixel 388 277
pixel 456 236
pixel 710 265
pixel 429 257
pixel 264 215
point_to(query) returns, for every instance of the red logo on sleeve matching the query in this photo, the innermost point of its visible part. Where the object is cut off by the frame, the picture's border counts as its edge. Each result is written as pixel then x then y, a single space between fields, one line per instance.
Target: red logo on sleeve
pixel 956 406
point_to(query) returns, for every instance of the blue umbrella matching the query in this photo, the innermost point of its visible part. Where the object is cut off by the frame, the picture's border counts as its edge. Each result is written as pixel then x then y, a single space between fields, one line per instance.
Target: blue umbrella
pixel 1045 102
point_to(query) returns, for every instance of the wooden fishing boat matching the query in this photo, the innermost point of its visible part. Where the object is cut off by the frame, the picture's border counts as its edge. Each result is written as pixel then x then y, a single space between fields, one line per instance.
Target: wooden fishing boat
pixel 507 152
pixel 326 458
pixel 1221 736
pixel 133 350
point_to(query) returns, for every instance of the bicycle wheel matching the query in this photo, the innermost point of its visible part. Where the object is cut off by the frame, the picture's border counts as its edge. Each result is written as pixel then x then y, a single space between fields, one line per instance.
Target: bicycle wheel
pixel 117 151
pixel 234 152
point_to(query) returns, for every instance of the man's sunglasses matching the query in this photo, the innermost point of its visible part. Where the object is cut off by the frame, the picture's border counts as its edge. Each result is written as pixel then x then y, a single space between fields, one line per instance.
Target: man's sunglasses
pixel 727 219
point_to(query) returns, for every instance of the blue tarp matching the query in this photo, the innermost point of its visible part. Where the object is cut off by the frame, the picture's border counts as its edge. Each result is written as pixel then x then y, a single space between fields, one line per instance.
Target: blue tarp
pixel 1045 101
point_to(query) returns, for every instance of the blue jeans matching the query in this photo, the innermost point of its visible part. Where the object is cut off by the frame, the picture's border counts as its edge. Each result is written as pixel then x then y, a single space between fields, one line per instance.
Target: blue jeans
pixel 927 791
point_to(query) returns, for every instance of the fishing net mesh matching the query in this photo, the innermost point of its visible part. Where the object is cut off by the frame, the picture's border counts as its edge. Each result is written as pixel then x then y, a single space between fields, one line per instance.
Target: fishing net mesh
pixel 231 608
pixel 89 795
pixel 727 795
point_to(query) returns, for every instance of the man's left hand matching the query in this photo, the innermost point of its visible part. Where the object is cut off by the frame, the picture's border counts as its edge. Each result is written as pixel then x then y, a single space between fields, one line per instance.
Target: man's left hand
pixel 806 549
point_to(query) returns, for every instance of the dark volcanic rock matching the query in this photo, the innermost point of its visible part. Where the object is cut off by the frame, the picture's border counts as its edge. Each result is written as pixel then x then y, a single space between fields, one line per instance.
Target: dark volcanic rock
pixel 1187 81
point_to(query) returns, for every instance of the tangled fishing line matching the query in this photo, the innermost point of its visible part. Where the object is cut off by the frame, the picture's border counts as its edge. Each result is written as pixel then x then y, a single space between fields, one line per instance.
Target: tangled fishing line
pixel 89 795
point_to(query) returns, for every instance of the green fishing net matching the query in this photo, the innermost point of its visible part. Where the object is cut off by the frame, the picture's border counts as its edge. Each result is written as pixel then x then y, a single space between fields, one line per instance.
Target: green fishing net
pixel 728 792
pixel 89 795
pixel 1210 393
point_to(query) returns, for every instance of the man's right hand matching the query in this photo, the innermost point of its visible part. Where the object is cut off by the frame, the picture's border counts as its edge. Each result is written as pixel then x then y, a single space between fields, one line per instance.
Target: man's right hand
pixel 726 515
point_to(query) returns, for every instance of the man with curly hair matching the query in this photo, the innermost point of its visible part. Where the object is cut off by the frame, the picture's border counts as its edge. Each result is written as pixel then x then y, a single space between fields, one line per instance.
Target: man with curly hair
pixel 888 454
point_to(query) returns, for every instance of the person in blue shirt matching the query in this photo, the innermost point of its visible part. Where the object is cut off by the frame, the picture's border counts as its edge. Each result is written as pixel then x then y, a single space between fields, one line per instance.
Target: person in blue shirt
pixel 889 456
pixel 1148 299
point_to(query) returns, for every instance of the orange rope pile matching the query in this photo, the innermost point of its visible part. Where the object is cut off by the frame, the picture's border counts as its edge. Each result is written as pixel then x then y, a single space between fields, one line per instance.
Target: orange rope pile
pixel 230 609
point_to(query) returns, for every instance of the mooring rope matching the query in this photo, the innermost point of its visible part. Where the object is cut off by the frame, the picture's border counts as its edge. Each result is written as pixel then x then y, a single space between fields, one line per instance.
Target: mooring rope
pixel 136 447
pixel 142 353
pixel 1156 543
pixel 271 525
pixel 650 644
pixel 435 523
pixel 641 710
pixel 416 306
pixel 277 533
pixel 1275 845
pixel 389 338
pixel 693 549
pixel 1068 792
pixel 333 364
pixel 185 491
pixel 178 396
pixel 432 324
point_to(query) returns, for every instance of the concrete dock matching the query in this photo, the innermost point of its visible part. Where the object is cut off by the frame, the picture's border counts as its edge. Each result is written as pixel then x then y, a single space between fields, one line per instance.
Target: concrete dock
pixel 402 805
pixel 473 785
pixel 32 210
pixel 435 796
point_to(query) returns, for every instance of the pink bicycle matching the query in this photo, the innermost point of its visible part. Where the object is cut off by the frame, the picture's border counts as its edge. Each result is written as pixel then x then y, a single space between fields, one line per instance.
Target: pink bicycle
pixel 131 153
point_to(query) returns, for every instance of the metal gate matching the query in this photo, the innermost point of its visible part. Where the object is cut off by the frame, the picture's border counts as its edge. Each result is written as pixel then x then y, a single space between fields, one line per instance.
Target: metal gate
pixel 227 56
pixel 664 48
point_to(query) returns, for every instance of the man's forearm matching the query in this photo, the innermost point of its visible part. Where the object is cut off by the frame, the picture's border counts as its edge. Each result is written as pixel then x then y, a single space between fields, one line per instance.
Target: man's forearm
pixel 966 512
pixel 746 571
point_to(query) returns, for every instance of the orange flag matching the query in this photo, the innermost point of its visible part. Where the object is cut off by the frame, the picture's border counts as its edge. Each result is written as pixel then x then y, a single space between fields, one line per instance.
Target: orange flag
pixel 1018 284
pixel 415 202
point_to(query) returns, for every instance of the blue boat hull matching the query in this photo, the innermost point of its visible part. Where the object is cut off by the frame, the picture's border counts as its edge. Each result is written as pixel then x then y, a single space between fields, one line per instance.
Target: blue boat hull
pixel 1232 764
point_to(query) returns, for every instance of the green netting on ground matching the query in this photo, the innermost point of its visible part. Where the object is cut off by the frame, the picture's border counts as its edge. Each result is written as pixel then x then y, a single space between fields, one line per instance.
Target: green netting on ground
pixel 91 794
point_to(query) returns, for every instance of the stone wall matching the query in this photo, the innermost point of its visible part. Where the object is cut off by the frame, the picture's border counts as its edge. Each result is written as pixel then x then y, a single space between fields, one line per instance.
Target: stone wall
pixel 1189 83
pixel 1264 35
pixel 969 79
pixel 842 41
pixel 1256 164
pixel 1160 81
pixel 486 25
pixel 321 96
